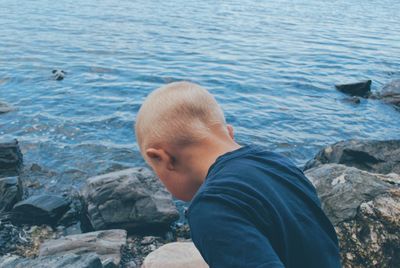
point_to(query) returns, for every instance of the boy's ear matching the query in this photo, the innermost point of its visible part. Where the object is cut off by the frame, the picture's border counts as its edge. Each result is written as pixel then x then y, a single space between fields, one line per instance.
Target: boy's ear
pixel 230 131
pixel 159 156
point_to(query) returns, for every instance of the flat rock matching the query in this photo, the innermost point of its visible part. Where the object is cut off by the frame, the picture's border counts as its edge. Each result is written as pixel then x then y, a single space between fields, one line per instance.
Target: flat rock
pixel 365 210
pixel 10 192
pixel 132 199
pixel 390 93
pixel 5 108
pixel 10 158
pixel 106 244
pixel 372 156
pixel 360 89
pixel 59 261
pixel 40 209
pixel 175 255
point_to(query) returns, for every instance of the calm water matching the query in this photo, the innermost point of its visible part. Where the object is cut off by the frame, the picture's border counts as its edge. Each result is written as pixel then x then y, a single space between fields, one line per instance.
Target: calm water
pixel 271 64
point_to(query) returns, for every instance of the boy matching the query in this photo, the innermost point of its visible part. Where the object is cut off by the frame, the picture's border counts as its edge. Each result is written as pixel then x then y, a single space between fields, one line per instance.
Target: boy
pixel 249 207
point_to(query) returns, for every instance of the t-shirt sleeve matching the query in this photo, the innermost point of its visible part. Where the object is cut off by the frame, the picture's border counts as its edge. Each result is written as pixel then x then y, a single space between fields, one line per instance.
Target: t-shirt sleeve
pixel 225 238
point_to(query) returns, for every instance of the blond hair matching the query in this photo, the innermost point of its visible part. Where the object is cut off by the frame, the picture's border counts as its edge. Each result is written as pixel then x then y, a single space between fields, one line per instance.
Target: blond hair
pixel 180 113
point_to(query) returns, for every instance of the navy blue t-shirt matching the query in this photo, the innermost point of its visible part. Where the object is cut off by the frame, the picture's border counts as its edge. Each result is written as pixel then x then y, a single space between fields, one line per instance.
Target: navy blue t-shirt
pixel 257 209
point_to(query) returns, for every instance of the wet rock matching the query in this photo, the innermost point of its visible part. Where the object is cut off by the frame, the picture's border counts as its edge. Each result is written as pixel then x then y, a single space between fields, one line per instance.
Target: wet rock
pixel 390 93
pixel 175 255
pixel 132 199
pixel 10 158
pixel 365 210
pixel 40 209
pixel 373 156
pixel 58 74
pixel 10 193
pixel 361 89
pixel 107 244
pixel 5 108
pixel 59 261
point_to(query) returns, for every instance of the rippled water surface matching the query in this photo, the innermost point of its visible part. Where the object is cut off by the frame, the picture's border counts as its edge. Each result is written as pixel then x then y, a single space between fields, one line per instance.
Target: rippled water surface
pixel 271 64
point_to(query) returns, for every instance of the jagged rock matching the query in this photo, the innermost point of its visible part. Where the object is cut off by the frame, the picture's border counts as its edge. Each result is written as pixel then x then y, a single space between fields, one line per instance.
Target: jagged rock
pixel 361 89
pixel 175 255
pixel 40 209
pixel 10 193
pixel 372 156
pixel 132 199
pixel 390 93
pixel 365 210
pixel 10 158
pixel 107 244
pixel 60 261
pixel 5 108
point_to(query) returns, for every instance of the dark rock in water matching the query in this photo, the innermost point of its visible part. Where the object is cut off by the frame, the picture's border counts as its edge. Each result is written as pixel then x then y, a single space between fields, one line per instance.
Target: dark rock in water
pixel 90 260
pixel 132 199
pixel 373 156
pixel 40 209
pixel 10 158
pixel 10 192
pixel 361 89
pixel 365 210
pixel 59 74
pixel 5 108
pixel 390 93
pixel 107 244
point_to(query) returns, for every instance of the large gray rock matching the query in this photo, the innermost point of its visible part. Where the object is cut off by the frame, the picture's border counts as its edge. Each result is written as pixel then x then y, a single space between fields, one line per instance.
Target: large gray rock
pixel 40 209
pixel 58 261
pixel 10 158
pixel 175 255
pixel 107 244
pixel 390 93
pixel 365 210
pixel 132 199
pixel 10 193
pixel 372 156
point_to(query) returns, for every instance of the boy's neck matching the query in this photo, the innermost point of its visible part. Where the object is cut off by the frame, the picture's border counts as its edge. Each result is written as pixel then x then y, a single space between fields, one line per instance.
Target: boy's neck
pixel 200 157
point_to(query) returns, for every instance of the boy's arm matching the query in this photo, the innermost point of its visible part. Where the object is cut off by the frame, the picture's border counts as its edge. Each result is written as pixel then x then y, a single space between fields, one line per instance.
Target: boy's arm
pixel 226 239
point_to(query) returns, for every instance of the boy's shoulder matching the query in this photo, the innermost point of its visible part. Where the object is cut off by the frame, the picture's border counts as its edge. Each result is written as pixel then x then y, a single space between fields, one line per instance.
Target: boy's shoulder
pixel 248 171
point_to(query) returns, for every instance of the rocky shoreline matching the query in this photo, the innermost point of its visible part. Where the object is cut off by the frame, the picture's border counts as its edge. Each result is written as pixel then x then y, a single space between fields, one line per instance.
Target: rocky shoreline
pixel 119 218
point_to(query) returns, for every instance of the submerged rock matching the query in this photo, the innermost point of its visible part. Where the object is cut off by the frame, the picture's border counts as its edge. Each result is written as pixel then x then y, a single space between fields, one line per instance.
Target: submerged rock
pixel 373 156
pixel 132 199
pixel 390 93
pixel 175 255
pixel 40 209
pixel 361 89
pixel 60 261
pixel 58 74
pixel 10 158
pixel 365 210
pixel 106 244
pixel 5 108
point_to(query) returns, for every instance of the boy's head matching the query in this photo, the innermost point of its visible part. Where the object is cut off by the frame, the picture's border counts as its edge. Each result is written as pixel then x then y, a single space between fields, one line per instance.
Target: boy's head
pixel 181 130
